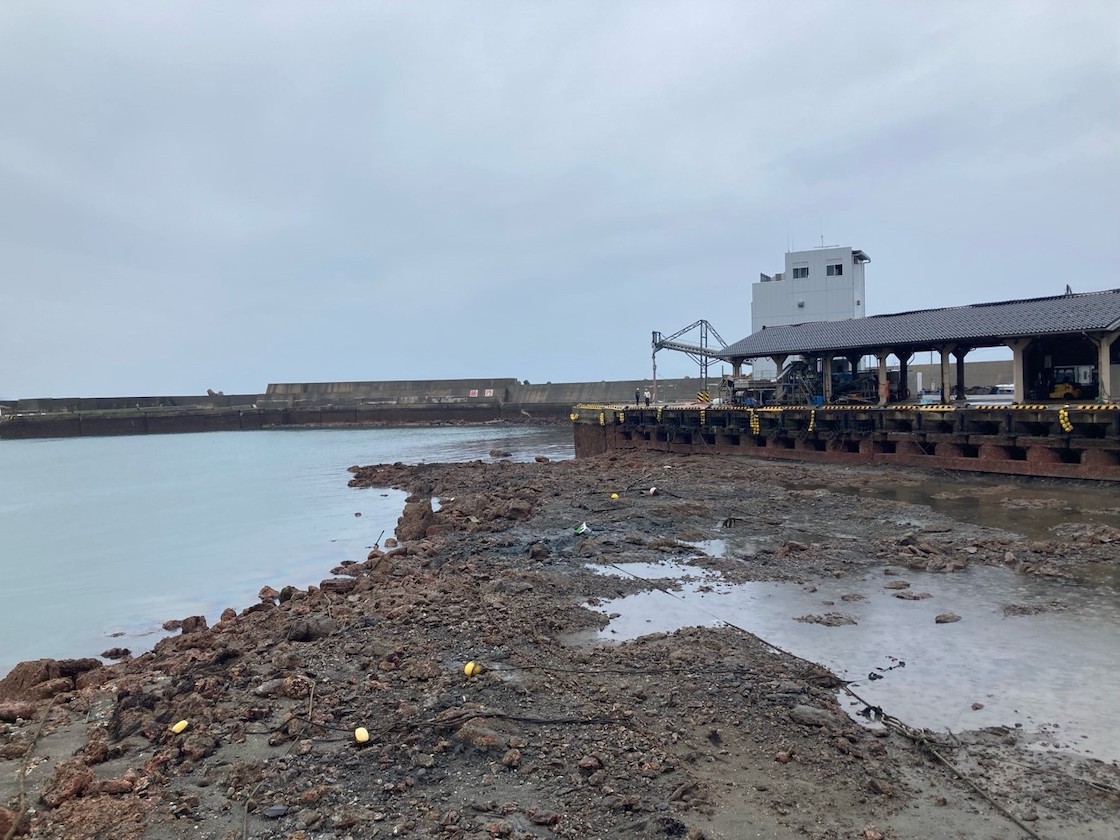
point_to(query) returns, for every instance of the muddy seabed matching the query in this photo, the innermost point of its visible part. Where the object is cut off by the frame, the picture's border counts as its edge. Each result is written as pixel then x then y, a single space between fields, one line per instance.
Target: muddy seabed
pixel 700 733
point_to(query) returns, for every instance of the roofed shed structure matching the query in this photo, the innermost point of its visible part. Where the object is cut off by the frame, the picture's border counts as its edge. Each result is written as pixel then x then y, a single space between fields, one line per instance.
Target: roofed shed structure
pixel 1072 334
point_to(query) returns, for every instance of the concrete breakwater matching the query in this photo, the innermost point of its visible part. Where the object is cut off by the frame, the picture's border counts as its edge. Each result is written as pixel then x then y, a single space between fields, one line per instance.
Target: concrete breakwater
pixel 320 404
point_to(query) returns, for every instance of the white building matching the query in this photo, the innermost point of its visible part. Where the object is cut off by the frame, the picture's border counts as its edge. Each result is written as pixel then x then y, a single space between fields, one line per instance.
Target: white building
pixel 824 284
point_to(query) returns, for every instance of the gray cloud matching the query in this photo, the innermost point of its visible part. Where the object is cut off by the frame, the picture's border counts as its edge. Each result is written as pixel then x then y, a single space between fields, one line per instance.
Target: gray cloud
pixel 222 195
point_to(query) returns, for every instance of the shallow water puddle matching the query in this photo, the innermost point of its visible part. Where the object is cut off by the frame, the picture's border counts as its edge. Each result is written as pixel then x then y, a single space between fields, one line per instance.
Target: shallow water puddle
pixel 1048 663
pixel 1034 511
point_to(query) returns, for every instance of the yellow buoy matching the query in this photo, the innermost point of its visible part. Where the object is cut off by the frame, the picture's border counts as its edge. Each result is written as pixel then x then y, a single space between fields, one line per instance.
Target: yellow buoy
pixel 179 727
pixel 614 495
pixel 361 735
pixel 472 669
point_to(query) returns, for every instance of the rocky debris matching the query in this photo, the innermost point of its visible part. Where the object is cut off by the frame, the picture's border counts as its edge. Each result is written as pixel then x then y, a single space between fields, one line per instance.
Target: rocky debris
pixel 71 779
pixel 1033 609
pixel 947 618
pixel 309 628
pixel 38 679
pixel 669 735
pixel 116 653
pixel 913 596
pixel 811 716
pixel 500 453
pixel 832 619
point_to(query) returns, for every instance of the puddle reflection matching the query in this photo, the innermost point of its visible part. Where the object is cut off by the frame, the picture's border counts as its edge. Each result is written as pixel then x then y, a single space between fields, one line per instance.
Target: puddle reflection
pixel 1049 663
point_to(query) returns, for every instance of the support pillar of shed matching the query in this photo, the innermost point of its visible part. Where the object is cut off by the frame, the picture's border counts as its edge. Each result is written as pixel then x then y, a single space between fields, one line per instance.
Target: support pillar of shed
pixel 960 353
pixel 826 379
pixel 946 351
pixel 903 374
pixel 1107 386
pixel 1019 366
pixel 884 385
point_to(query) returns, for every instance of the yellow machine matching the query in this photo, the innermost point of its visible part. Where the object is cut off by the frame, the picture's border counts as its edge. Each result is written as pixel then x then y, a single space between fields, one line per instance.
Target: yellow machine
pixel 1065 391
pixel 1070 381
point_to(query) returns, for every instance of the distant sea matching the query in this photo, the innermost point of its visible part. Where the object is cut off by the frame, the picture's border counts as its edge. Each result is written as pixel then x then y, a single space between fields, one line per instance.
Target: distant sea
pixel 104 539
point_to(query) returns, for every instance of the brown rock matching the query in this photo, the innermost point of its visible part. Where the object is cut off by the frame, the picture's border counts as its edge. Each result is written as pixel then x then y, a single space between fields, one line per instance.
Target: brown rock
pixel 39 678
pixel 338 585
pixel 512 758
pixel 896 584
pixel 71 779
pixel 416 519
pixel 542 817
pixel 7 820
pixel 194 624
pixel 517 509
pixel 479 736
pixel 112 787
pixel 947 618
pixel 810 716
pixel 199 745
pixel 116 653
pixel 311 627
pixel 13 710
pixel 268 593
pixel 590 762
pixel 880 787
pixel 50 688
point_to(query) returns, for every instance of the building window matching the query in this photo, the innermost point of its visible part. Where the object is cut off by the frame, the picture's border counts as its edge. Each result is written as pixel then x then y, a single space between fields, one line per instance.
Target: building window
pixel 835 270
pixel 800 273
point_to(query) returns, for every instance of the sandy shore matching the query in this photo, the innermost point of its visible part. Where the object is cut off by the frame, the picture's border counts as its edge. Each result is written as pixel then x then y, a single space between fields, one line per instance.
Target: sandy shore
pixel 702 733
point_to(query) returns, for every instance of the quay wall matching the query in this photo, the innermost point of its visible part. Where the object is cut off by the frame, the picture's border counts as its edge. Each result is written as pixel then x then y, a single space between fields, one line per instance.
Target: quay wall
pixel 1078 441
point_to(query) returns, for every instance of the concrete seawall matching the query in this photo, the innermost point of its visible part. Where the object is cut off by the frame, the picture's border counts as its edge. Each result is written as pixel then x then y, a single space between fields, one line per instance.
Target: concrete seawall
pixel 326 404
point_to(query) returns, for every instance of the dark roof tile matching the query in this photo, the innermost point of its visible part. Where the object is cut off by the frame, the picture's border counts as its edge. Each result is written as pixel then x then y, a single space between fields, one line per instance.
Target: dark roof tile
pixel 980 324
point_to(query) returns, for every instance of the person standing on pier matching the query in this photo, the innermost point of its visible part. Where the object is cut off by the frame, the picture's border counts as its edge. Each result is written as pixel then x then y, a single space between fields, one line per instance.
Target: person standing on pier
pixel 647 396
pixel 637 396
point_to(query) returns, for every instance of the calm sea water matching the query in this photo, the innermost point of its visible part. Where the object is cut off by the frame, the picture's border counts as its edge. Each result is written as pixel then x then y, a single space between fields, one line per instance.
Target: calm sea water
pixel 104 539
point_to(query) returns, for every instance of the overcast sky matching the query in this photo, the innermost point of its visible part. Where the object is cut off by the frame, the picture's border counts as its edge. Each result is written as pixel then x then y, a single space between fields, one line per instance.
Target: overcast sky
pixel 221 195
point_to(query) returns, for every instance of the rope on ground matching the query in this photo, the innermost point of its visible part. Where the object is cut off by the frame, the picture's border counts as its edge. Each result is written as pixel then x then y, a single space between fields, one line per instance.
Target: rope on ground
pixel 21 803
pixel 919 737
pixel 463 715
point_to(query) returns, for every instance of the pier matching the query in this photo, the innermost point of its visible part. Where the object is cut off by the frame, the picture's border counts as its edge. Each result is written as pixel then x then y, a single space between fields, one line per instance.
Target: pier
pixel 1059 441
